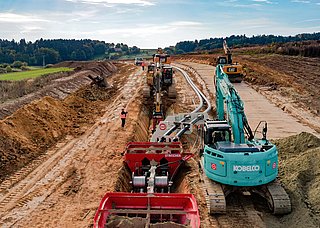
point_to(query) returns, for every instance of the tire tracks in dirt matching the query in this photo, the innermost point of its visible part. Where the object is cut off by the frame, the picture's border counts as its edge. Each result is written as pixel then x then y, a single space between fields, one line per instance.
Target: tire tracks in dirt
pixel 23 192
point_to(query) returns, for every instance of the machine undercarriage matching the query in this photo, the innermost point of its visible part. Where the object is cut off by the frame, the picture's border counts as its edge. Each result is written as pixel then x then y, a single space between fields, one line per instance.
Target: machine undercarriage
pixel 216 194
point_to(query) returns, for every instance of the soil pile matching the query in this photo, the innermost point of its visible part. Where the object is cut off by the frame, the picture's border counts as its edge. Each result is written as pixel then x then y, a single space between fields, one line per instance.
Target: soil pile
pixel 299 172
pixel 35 127
pixel 203 59
pixel 56 85
pixel 296 77
pixel 123 222
pixel 99 67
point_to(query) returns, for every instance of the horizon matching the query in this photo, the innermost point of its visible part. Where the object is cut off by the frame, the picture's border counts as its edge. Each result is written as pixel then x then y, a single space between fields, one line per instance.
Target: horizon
pixel 142 23
pixel 154 48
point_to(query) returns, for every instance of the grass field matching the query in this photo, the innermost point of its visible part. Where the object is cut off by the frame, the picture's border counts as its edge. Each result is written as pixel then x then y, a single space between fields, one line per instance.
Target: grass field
pixel 16 76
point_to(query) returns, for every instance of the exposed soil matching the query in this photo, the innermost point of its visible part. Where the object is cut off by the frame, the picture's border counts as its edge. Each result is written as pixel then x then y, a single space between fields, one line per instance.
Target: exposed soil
pixel 295 77
pixel 37 126
pixel 75 169
pixel 290 82
pixel 124 222
pixel 69 152
pixel 58 85
pixel 300 174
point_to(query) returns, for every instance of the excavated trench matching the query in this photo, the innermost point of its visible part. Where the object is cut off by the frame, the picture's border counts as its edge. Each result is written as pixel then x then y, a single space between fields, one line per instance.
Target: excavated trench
pixel 142 134
pixel 242 210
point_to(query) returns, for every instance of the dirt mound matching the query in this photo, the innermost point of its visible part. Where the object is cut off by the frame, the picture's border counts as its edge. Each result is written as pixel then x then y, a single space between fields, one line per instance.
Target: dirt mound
pixel 98 67
pixel 299 172
pixel 203 59
pixel 59 87
pixel 35 127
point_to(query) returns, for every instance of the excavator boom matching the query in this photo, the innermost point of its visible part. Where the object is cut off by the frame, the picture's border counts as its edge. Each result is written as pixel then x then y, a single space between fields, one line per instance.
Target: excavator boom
pixel 232 159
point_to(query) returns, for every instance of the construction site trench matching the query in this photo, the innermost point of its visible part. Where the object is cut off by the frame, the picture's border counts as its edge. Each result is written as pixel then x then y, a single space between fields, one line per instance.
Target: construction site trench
pixel 59 157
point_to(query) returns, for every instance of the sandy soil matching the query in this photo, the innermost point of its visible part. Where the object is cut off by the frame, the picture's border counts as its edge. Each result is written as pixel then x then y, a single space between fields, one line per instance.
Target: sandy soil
pixel 289 82
pixel 65 178
pixel 62 85
pixel 37 126
pixel 246 211
pixel 300 174
pixel 66 187
pixel 299 73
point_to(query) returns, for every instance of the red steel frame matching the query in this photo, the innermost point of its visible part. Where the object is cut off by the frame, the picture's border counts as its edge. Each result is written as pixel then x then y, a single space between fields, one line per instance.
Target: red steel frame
pixel 137 151
pixel 175 207
pixel 155 207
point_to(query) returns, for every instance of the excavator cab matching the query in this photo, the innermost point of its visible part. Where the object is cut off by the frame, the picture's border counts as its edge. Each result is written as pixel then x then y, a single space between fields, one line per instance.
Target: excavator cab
pixel 222 60
pixel 216 131
pixel 167 73
pixel 162 58
pixel 150 73
pixel 151 68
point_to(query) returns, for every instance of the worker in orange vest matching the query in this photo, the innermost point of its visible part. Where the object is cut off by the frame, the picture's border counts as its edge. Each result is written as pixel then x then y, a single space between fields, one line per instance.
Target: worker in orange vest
pixel 143 64
pixel 123 116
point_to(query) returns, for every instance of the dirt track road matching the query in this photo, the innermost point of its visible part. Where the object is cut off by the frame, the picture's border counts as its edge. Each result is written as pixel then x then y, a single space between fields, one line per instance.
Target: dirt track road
pixel 46 196
pixel 257 107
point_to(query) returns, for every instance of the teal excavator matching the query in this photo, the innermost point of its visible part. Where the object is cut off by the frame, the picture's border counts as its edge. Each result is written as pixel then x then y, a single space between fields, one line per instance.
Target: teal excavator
pixel 233 159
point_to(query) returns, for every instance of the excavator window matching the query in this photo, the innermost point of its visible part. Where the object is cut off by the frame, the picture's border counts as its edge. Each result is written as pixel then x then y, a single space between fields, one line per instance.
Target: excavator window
pixel 222 61
pixel 150 68
pixel 167 73
pixel 219 136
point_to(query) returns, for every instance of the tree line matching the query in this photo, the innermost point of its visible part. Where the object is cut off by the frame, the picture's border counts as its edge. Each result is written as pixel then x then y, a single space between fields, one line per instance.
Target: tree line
pixel 56 50
pixel 244 41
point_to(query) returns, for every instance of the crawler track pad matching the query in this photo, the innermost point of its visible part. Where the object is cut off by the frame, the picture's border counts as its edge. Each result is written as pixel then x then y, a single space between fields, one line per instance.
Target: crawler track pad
pixel 215 198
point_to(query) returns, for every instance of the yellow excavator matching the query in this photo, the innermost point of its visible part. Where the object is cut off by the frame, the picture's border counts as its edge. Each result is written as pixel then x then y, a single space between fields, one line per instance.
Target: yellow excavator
pixel 159 84
pixel 233 70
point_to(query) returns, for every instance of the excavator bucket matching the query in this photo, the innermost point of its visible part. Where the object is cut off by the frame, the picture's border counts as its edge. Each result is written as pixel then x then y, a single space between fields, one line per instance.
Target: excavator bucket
pixel 143 209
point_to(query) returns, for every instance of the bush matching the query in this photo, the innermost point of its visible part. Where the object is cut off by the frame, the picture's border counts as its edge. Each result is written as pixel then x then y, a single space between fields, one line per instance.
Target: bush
pixel 8 69
pixel 24 68
pixel 17 64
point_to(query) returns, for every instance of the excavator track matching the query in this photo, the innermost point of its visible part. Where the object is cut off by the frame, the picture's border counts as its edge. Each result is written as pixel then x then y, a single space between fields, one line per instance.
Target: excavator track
pixel 214 194
pixel 278 199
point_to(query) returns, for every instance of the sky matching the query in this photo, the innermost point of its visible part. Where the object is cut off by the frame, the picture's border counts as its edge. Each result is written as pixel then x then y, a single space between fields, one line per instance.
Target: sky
pixel 155 23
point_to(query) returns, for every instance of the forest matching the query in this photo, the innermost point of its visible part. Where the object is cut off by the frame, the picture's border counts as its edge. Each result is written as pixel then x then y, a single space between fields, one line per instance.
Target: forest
pixel 42 52
pixel 52 51
pixel 296 46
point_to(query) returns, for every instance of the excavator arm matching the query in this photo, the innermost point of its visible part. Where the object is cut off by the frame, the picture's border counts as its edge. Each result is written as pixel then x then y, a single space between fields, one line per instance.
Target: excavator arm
pixel 226 94
pixel 239 163
pixel 227 51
